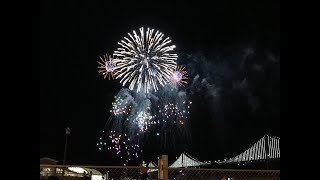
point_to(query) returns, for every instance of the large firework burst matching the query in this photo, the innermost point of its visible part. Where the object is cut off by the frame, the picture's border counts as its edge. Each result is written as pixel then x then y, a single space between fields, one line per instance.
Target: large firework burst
pixel 145 60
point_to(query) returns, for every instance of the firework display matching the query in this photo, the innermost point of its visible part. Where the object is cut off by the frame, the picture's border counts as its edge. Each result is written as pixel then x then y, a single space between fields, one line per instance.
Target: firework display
pixel 145 111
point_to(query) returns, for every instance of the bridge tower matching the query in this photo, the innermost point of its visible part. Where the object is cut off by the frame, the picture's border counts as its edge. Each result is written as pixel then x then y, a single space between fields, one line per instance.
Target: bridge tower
pixel 266 140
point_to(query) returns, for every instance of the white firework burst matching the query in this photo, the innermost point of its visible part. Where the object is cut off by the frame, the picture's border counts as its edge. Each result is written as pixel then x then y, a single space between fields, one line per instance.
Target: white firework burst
pixel 145 60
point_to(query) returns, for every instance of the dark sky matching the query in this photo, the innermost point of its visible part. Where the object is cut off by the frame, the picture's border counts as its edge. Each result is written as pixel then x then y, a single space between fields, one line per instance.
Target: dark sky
pixel 73 34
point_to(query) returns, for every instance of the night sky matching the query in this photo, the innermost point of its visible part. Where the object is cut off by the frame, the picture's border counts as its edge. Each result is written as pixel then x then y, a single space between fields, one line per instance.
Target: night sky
pixel 232 49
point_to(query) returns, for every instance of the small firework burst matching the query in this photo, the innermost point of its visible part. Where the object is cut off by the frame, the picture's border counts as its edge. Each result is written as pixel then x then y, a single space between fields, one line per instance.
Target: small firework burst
pixel 120 106
pixel 179 76
pixel 143 120
pixel 107 66
pixel 177 112
pixel 120 144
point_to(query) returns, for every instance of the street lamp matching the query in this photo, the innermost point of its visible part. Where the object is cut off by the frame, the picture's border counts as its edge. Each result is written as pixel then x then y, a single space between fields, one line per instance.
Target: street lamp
pixel 68 131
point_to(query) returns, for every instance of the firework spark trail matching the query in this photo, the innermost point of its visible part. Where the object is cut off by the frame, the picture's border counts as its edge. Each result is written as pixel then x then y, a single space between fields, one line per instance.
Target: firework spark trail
pixel 128 122
pixel 172 110
pixel 165 113
pixel 145 60
pixel 141 117
pixel 121 145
